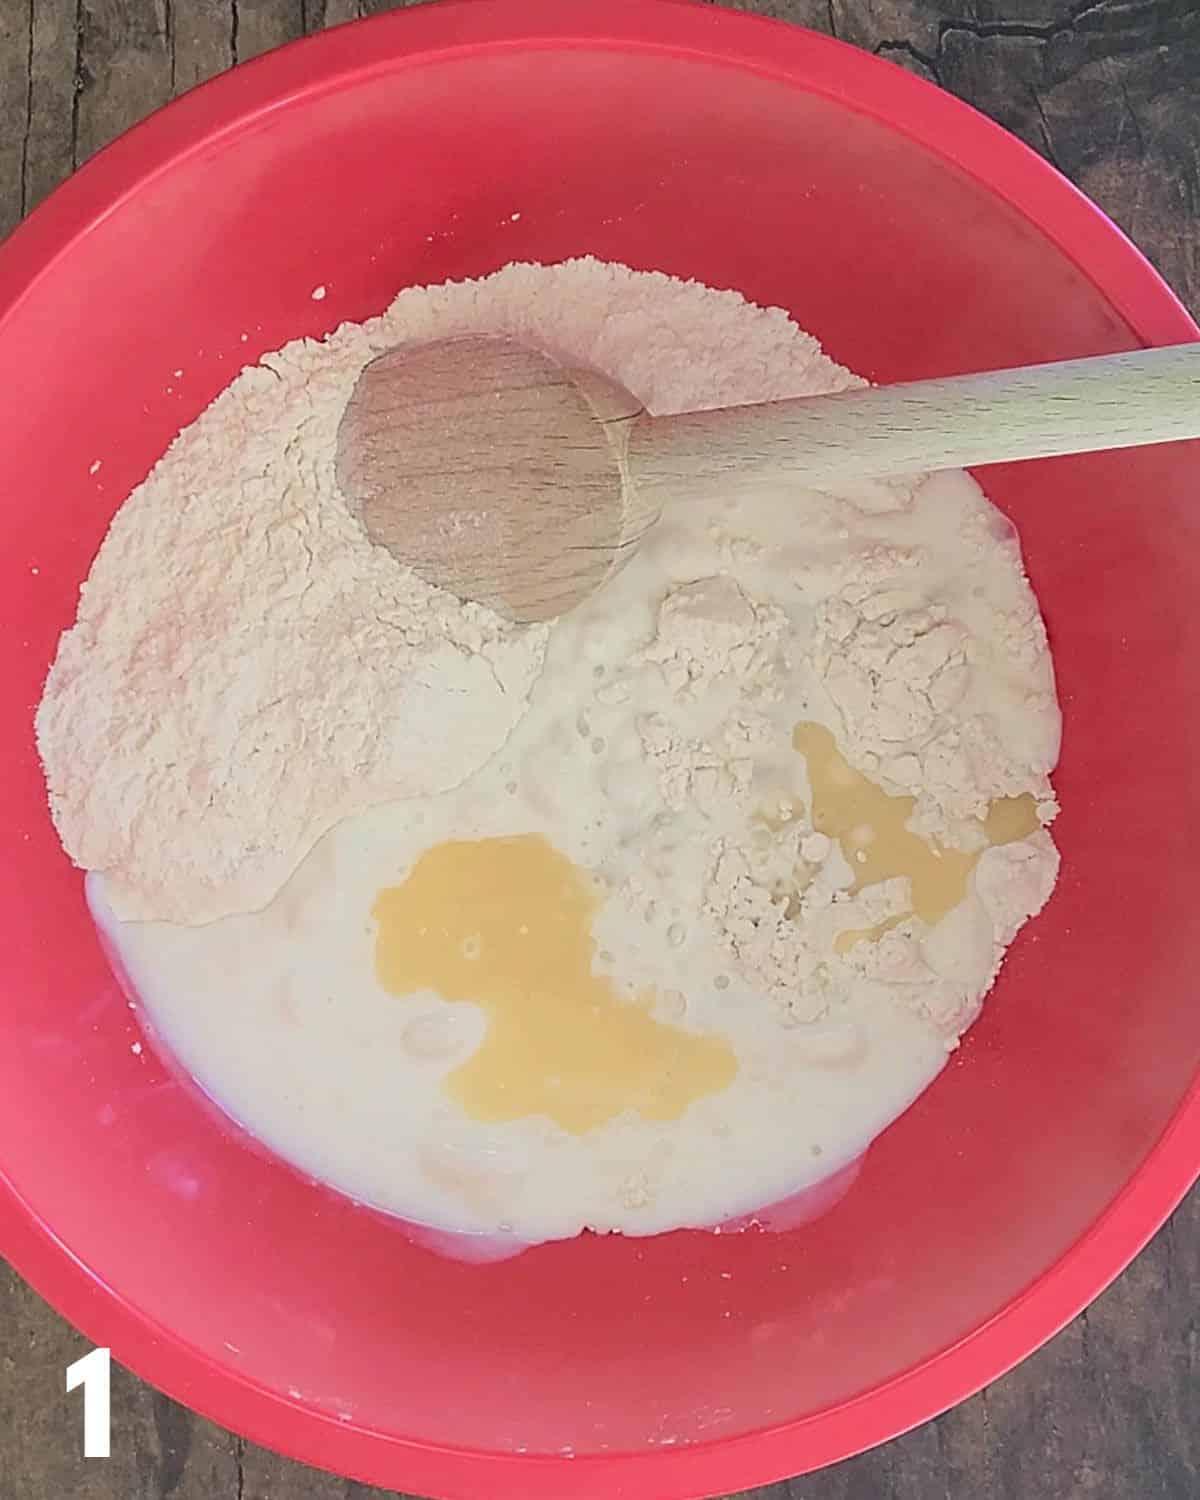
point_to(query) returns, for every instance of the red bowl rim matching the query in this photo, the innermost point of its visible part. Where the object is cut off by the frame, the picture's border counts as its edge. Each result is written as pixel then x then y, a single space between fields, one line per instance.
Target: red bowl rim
pixel 983 150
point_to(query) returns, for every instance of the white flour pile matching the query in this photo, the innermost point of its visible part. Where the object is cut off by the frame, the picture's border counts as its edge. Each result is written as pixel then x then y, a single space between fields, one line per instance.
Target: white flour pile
pixel 248 671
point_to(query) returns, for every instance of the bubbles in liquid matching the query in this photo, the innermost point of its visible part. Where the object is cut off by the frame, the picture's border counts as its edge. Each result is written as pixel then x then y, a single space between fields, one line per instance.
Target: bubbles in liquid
pixel 561 1041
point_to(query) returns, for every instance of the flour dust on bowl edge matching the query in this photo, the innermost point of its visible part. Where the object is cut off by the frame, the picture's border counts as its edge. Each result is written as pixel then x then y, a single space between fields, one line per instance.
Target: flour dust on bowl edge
pixel 442 143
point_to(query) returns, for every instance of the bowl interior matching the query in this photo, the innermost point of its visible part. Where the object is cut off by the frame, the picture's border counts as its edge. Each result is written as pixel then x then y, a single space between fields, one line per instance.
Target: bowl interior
pixel 422 169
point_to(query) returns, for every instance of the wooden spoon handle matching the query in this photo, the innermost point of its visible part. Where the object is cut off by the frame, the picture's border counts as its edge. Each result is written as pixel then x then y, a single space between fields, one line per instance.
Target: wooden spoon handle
pixel 1078 406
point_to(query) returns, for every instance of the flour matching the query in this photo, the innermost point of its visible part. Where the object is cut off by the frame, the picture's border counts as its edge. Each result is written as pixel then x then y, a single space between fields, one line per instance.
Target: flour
pixel 938 687
pixel 708 630
pixel 246 668
pixel 900 672
pixel 294 680
pixel 921 709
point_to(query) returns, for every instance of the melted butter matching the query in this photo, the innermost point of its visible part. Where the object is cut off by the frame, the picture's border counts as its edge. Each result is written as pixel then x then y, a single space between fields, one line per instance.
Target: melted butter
pixel 507 924
pixel 871 826
pixel 1010 819
pixel 847 938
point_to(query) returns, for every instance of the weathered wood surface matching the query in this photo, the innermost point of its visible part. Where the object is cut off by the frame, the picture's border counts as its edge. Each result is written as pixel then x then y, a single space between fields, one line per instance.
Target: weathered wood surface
pixel 1109 91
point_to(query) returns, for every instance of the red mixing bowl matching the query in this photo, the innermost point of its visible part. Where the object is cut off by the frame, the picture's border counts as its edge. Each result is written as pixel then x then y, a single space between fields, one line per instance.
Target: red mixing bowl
pixel 915 239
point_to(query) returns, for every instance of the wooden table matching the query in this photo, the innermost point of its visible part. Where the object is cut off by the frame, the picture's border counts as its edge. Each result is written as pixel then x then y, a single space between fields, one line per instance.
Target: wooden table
pixel 1110 92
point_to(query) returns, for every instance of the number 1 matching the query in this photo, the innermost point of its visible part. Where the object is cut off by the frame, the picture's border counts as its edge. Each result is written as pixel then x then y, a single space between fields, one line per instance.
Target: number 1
pixel 92 1373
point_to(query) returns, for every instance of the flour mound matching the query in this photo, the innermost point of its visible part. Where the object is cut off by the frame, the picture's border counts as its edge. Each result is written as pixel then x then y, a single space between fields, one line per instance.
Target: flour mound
pixel 247 668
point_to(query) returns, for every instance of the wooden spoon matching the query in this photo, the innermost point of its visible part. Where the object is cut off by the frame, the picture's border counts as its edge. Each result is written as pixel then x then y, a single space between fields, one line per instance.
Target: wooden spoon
pixel 514 480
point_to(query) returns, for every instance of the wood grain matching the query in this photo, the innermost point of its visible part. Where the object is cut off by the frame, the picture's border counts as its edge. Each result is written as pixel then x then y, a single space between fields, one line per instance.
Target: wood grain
pixel 493 471
pixel 1073 406
pixel 443 454
pixel 122 69
pixel 1108 90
